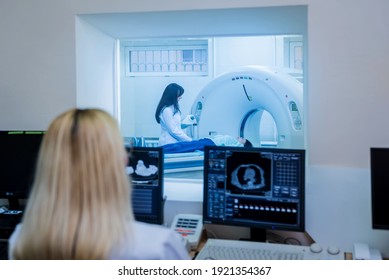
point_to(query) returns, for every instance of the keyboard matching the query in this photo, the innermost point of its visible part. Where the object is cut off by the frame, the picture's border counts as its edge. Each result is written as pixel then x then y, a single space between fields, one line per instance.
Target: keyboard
pixel 221 249
pixel 3 250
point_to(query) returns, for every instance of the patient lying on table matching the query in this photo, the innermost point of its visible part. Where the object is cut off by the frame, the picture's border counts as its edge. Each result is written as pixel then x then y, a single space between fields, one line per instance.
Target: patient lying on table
pixel 198 145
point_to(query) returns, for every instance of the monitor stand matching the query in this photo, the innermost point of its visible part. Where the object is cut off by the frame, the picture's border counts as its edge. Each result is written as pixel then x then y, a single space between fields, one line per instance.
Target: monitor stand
pixel 14 204
pixel 9 219
pixel 258 234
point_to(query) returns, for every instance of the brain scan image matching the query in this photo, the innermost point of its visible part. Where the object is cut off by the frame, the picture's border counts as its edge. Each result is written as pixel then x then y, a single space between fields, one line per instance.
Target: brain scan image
pixel 143 170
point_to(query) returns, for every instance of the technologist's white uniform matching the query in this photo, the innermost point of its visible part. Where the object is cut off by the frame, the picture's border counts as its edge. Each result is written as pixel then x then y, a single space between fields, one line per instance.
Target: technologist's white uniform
pixel 171 131
pixel 148 242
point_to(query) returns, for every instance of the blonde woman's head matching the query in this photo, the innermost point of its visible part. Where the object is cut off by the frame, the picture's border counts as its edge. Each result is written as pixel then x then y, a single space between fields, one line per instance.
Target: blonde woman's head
pixel 80 201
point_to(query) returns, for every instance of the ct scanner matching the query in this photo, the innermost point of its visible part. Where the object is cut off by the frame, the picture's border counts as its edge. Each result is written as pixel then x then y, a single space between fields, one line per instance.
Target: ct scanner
pixel 233 103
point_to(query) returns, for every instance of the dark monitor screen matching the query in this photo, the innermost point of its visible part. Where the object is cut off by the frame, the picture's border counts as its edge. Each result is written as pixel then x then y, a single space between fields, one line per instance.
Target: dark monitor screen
pixel 259 188
pixel 379 169
pixel 18 155
pixel 145 168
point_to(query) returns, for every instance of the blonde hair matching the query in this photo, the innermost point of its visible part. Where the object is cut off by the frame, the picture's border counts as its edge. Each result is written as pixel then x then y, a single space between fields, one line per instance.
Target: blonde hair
pixel 79 206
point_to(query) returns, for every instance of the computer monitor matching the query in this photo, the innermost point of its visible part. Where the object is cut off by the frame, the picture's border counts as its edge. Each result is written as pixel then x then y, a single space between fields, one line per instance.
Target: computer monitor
pixel 379 173
pixel 18 155
pixel 258 188
pixel 145 168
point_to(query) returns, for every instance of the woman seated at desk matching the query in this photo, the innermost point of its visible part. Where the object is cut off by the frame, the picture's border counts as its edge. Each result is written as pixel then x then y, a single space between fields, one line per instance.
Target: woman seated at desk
pixel 80 206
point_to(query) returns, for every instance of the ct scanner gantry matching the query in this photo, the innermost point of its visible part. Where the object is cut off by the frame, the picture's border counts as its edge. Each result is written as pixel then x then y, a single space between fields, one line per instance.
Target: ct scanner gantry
pixel 233 103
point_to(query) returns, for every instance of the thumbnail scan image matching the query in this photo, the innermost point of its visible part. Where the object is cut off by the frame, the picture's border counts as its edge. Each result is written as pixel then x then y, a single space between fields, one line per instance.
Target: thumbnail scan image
pixel 143 169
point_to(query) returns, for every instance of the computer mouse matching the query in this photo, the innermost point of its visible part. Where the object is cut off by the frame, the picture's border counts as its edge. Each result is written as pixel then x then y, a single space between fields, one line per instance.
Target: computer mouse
pixel 315 248
pixel 333 250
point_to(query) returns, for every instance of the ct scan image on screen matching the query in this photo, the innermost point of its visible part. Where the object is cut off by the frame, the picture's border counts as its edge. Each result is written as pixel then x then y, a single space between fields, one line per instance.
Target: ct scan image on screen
pixel 254 187
pixel 143 167
pixel 248 173
pixel 145 170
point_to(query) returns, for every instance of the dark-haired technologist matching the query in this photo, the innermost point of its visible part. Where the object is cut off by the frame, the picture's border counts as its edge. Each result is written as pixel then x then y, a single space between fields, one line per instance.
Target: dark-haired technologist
pixel 80 206
pixel 168 115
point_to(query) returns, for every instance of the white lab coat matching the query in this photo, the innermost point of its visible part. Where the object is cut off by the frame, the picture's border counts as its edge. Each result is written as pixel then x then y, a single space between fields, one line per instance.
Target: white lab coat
pixel 171 131
pixel 146 242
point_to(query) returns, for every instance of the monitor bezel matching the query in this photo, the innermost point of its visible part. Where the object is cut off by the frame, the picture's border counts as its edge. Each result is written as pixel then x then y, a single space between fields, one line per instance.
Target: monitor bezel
pixel 160 206
pixel 6 192
pixel 376 193
pixel 300 227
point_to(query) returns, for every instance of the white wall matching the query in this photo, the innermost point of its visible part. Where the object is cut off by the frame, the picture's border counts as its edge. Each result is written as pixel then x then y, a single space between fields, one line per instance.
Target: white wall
pixel 347 85
pixel 244 51
pixel 37 63
pixel 347 92
pixel 95 68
